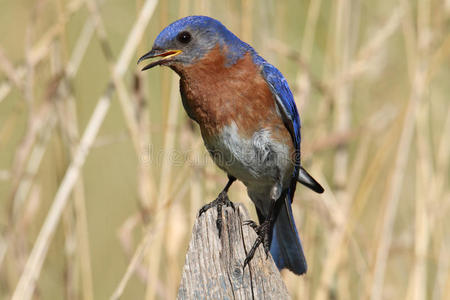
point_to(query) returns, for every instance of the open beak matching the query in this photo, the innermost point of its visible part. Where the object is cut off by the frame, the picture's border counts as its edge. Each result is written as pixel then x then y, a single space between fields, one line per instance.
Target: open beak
pixel 165 54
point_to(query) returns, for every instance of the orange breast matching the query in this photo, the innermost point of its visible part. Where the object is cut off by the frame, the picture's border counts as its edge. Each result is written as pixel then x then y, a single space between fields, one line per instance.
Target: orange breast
pixel 216 95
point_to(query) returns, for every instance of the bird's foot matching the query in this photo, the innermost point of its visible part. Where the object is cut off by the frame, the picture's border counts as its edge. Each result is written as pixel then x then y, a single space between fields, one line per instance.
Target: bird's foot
pixel 264 236
pixel 252 224
pixel 221 200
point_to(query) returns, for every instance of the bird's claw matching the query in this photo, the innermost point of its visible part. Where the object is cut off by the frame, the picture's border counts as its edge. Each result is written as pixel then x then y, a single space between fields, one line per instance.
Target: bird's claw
pixel 221 200
pixel 251 223
pixel 264 237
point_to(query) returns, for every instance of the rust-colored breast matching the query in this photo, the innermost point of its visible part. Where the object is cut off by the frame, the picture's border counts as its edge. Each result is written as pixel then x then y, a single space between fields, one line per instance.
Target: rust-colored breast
pixel 215 95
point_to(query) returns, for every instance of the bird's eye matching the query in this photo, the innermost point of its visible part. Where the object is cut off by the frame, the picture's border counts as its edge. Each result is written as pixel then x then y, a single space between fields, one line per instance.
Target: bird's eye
pixel 184 37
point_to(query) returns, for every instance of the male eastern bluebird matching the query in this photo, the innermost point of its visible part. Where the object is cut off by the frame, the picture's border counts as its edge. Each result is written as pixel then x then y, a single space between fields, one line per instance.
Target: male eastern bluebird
pixel 249 124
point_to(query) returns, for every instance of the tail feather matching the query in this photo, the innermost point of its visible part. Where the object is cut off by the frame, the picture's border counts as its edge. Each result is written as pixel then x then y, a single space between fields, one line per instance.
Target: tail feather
pixel 286 248
pixel 308 181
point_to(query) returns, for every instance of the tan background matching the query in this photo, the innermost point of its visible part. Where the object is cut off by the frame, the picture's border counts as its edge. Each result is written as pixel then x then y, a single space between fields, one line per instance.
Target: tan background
pixel 371 80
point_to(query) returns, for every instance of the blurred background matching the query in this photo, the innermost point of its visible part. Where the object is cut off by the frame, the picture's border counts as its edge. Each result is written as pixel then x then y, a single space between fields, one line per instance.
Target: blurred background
pixel 102 173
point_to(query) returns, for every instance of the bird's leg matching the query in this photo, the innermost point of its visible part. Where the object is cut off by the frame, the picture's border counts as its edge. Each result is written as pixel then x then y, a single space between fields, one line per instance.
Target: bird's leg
pixel 265 229
pixel 264 235
pixel 220 201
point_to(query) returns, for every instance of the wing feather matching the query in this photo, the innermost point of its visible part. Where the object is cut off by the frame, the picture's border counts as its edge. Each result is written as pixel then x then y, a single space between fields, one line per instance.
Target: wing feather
pixel 284 100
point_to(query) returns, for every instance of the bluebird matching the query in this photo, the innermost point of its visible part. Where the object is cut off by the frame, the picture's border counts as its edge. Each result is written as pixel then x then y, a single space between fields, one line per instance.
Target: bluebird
pixel 249 124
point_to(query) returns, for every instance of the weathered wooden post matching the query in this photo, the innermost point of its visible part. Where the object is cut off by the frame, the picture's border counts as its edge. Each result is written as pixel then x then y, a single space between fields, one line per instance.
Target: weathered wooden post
pixel 213 267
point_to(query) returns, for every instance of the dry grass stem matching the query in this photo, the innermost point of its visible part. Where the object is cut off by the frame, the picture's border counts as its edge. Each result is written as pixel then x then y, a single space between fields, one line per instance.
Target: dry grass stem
pixel 370 81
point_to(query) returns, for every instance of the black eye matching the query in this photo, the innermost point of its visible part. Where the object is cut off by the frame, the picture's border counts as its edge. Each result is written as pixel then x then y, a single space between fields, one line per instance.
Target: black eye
pixel 184 37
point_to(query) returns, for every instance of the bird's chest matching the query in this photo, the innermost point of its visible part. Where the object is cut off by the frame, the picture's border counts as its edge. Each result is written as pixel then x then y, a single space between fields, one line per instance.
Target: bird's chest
pixel 214 94
pixel 238 118
pixel 211 105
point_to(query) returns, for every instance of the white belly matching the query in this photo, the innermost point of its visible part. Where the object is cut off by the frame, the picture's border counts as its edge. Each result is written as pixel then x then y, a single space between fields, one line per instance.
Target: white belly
pixel 259 162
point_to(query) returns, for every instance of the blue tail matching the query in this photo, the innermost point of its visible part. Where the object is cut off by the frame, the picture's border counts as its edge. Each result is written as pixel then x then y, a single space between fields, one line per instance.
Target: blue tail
pixel 286 248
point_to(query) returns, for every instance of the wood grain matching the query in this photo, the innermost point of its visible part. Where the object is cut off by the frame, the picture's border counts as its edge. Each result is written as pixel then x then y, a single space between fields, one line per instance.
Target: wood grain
pixel 213 267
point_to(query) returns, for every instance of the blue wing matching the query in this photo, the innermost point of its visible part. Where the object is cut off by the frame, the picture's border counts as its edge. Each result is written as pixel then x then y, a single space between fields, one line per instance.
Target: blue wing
pixel 286 247
pixel 291 119
pixel 285 102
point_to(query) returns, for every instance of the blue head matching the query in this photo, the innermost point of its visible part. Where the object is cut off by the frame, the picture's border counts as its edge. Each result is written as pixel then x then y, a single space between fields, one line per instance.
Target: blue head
pixel 187 40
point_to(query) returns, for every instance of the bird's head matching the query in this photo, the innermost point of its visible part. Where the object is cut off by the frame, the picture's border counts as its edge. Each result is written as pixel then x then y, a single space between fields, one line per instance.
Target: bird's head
pixel 187 40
